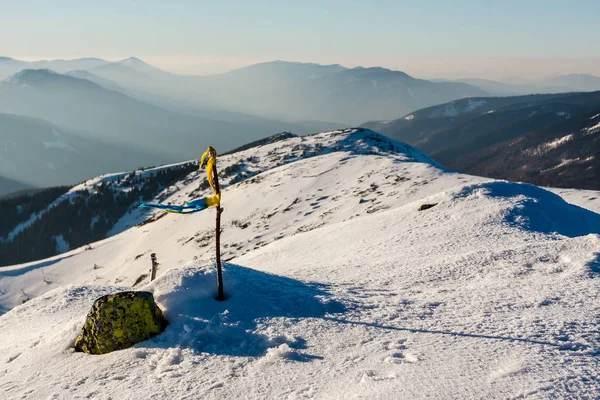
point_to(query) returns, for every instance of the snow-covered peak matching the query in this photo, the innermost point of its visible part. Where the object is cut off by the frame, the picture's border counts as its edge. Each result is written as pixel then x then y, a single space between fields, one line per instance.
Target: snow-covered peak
pixel 355 141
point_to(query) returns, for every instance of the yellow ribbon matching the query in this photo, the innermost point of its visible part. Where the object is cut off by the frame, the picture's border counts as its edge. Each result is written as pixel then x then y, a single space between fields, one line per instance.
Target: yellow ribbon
pixel 211 153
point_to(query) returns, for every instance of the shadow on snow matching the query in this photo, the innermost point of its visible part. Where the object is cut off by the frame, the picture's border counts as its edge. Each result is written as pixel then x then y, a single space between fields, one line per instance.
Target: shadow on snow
pixel 199 322
pixel 537 209
pixel 31 267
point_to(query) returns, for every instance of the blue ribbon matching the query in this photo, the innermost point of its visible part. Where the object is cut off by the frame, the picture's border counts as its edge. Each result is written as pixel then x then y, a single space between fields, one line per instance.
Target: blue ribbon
pixel 190 208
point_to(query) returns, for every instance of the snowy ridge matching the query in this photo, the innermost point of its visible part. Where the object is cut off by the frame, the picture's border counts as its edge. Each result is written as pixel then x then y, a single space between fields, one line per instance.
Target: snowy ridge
pixel 246 164
pixel 89 186
pixel 338 287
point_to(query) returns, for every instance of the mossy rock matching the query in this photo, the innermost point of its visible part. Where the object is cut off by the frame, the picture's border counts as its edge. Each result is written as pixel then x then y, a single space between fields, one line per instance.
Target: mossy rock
pixel 118 321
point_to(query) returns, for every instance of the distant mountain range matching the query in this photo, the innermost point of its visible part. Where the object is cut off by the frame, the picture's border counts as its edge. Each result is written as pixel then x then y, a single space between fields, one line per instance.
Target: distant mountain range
pixel 558 84
pixel 551 140
pixel 35 153
pixel 134 114
pixel 281 90
pixel 111 116
pixel 10 66
pixel 325 92
pixel 59 129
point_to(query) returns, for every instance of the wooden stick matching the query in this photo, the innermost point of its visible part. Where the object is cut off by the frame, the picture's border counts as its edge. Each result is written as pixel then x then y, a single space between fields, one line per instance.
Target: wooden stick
pixel 154 266
pixel 220 293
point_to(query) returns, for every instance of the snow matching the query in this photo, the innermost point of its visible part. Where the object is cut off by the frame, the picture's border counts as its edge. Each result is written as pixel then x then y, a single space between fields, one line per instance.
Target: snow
pixel 546 147
pixel 409 117
pixel 592 129
pixel 62 246
pixel 120 175
pixel 450 111
pixel 583 198
pixel 564 162
pixel 558 142
pixel 337 287
pixel 94 221
pixel 474 104
pixel 77 189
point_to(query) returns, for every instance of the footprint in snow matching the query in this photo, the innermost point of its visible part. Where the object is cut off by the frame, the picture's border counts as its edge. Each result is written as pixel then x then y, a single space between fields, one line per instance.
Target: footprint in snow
pixel 372 376
pixel 401 358
pixel 399 355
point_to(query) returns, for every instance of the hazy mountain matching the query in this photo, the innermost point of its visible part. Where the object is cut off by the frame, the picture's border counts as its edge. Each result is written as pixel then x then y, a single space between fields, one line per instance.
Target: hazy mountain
pixel 9 66
pixel 289 91
pixel 35 153
pixel 167 98
pixel 100 113
pixel 479 136
pixel 191 95
pixel 91 129
pixel 516 86
pixel 303 91
pixel 130 74
pixel 579 82
pixel 143 67
pixel 510 89
pixel 105 83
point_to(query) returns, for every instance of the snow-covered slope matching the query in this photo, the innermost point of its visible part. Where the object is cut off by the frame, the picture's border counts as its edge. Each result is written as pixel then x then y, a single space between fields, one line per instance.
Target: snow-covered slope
pixel 338 287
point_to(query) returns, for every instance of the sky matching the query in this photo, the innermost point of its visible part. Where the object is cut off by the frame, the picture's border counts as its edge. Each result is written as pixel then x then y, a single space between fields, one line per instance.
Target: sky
pixel 427 39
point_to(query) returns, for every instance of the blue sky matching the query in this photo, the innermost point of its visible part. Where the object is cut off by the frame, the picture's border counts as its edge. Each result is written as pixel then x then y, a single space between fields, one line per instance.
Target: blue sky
pixel 428 38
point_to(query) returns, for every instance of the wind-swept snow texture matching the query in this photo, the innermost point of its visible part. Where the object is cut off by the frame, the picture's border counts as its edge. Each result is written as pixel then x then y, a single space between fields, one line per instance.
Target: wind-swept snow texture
pixel 337 288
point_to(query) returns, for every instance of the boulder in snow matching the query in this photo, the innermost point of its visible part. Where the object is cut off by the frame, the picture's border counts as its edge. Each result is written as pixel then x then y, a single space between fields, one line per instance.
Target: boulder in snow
pixel 120 320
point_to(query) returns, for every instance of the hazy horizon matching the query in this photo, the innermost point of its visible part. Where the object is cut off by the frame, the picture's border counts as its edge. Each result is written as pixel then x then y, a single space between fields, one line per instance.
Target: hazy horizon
pixel 493 69
pixel 464 39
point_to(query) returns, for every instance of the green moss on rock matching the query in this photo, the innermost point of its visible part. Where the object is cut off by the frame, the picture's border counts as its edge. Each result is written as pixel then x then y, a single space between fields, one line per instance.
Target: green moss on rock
pixel 118 321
